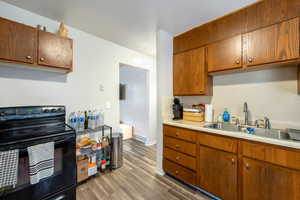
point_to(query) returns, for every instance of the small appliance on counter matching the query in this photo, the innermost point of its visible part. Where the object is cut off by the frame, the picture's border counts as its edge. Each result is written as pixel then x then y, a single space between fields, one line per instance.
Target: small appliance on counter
pixel 194 113
pixel 177 109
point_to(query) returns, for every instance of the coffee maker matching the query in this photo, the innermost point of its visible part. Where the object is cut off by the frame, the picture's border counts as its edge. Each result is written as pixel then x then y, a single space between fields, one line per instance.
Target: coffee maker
pixel 177 109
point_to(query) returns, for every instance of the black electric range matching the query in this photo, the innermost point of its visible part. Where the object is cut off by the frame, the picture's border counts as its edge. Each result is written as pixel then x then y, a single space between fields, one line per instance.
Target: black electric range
pixel 21 127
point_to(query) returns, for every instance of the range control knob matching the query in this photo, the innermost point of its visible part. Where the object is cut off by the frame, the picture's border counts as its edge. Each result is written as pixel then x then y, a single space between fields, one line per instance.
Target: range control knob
pixel 46 110
pixel 53 110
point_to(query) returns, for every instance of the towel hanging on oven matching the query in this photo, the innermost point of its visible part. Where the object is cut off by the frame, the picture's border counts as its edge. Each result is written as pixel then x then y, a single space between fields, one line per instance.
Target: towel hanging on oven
pixel 41 161
pixel 9 161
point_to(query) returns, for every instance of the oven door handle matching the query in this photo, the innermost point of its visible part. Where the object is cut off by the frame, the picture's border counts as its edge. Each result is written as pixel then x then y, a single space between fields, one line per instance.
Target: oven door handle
pixel 60 197
pixel 57 141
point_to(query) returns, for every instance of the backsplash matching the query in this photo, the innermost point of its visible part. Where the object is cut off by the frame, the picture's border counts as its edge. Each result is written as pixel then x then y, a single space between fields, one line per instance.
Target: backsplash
pixel 271 93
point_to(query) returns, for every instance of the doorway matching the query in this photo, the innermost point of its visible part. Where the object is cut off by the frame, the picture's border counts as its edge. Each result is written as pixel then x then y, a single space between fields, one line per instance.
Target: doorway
pixel 134 102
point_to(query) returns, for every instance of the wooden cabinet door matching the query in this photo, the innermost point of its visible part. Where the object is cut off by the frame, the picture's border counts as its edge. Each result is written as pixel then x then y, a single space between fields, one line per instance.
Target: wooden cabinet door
pixel 279 42
pixel 189 73
pixel 225 55
pixel 55 51
pixel 218 173
pixel 17 42
pixel 267 182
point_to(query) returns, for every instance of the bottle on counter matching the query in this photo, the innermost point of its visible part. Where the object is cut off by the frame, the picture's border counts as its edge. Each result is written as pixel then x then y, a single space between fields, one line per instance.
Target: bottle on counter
pixel 101 118
pixel 90 119
pixel 73 121
pixel 226 116
pixel 81 119
pixel 86 120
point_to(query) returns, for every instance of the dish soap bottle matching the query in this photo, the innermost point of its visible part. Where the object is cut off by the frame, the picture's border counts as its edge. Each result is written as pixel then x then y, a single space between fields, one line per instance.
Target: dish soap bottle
pixel 226 116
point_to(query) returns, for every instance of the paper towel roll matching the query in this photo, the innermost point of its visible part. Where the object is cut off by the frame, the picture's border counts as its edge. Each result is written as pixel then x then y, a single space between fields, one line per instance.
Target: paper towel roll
pixel 208 113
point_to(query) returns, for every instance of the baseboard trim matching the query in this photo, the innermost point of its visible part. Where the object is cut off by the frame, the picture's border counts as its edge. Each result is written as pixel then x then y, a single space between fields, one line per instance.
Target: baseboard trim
pixel 150 143
pixel 160 172
pixel 140 138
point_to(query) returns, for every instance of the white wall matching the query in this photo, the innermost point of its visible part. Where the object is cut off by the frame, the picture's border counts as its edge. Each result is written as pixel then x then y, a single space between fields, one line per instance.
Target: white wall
pixel 134 109
pixel 96 61
pixel 164 62
pixel 270 92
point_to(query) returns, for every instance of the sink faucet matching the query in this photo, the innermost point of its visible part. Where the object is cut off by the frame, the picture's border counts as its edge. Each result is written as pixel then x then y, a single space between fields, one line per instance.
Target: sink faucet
pixel 267 123
pixel 246 113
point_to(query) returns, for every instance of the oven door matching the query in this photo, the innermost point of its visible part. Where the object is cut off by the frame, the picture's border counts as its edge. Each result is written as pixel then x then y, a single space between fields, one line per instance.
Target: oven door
pixel 64 170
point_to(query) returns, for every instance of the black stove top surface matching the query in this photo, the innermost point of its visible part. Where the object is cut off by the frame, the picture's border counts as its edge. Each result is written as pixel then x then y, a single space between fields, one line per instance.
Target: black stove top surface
pixel 18 124
pixel 33 133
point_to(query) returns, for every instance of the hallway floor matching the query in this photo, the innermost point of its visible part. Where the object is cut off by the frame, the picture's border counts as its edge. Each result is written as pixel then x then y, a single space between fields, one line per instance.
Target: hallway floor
pixel 136 180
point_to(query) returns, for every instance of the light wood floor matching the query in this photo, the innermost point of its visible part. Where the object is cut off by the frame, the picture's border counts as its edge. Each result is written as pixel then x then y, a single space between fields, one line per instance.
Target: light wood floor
pixel 136 180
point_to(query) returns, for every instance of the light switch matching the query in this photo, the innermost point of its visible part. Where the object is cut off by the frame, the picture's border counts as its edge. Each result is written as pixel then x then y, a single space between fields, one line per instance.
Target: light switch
pixel 108 105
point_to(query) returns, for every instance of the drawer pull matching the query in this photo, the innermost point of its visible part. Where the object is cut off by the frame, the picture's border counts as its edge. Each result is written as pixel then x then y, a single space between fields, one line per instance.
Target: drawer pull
pixel 28 57
pixel 176 172
pixel 42 59
pixel 247 166
pixel 177 158
pixel 232 161
pixel 237 61
pixel 250 60
pixel 177 134
pixel 177 146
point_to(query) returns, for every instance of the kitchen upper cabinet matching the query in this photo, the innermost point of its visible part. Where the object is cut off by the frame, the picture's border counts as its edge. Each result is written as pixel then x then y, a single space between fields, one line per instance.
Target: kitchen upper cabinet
pixel 190 74
pixel 266 181
pixel 279 42
pixel 17 42
pixel 218 173
pixel 55 51
pixel 225 55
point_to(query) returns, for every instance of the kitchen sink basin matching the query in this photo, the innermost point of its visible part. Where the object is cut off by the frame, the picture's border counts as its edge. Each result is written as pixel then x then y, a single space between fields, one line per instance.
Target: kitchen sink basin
pixel 225 127
pixel 270 133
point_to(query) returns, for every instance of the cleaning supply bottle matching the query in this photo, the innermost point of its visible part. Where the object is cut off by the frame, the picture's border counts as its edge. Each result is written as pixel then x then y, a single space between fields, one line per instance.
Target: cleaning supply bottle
pixel 226 116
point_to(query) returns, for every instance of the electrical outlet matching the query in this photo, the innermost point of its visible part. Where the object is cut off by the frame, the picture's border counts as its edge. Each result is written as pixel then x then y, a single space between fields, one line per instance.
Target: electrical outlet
pixel 101 88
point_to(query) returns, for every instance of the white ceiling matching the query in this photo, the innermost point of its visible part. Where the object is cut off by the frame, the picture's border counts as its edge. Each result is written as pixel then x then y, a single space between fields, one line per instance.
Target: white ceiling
pixel 132 23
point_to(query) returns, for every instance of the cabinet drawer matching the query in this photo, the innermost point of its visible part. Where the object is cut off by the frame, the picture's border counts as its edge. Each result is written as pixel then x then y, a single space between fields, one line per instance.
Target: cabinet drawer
pixel 182 173
pixel 180 133
pixel 280 156
pixel 180 145
pixel 180 158
pixel 218 142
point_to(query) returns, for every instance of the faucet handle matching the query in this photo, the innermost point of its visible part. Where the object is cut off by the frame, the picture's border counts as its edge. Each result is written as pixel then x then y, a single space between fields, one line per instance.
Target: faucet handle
pixel 267 123
pixel 256 124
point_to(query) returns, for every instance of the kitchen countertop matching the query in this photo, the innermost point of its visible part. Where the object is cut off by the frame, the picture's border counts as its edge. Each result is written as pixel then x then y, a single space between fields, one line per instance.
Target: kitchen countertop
pixel 199 126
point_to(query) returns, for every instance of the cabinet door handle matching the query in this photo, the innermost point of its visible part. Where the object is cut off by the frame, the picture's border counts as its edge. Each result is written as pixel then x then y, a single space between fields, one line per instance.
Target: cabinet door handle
pixel 42 59
pixel 237 61
pixel 177 146
pixel 250 60
pixel 232 161
pixel 28 57
pixel 247 166
pixel 177 134
pixel 177 158
pixel 176 172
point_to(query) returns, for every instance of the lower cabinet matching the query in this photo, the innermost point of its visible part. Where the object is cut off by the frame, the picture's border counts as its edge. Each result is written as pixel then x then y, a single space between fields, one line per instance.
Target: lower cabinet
pixel 266 181
pixel 180 172
pixel 218 173
pixel 232 169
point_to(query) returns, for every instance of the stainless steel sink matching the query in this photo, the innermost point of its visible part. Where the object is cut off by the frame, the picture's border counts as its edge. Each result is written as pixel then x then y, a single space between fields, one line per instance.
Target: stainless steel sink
pixel 270 133
pixel 225 127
